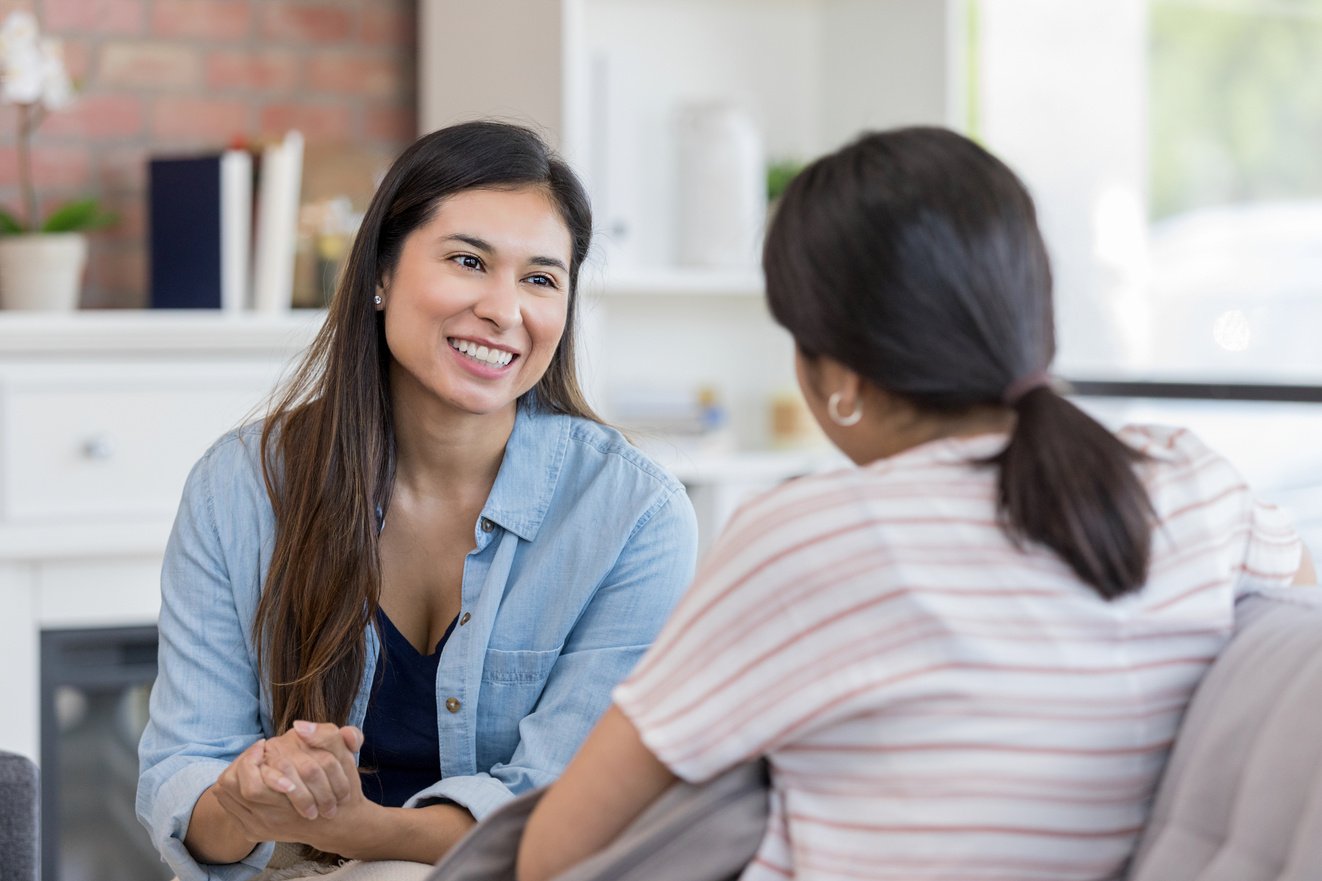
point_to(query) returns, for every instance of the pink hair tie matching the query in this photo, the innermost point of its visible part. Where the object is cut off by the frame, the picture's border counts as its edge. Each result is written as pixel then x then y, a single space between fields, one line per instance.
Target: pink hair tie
pixel 1015 391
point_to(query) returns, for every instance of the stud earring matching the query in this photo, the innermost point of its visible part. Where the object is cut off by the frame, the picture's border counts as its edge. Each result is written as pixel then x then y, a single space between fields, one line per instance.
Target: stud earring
pixel 377 299
pixel 833 410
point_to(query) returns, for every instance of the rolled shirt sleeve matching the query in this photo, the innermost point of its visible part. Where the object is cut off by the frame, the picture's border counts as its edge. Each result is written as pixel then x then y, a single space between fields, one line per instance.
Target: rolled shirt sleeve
pixel 205 704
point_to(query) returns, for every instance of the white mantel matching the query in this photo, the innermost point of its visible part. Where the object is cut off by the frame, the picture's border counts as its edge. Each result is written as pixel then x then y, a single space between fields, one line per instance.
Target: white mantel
pixel 101 416
pixel 132 333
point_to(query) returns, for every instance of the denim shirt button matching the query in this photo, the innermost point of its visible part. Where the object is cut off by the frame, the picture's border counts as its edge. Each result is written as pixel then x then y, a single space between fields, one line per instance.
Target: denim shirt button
pixel 452 704
pixel 487 525
pixel 464 620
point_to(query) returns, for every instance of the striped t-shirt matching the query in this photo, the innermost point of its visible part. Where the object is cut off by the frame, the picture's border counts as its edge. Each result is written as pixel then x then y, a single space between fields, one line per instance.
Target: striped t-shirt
pixel 934 703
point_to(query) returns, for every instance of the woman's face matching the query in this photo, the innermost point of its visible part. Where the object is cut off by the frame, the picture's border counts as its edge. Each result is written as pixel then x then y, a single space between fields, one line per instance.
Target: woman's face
pixel 478 301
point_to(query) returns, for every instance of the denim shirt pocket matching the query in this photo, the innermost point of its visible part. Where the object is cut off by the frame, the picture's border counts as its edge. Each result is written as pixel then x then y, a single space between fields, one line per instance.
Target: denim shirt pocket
pixel 512 682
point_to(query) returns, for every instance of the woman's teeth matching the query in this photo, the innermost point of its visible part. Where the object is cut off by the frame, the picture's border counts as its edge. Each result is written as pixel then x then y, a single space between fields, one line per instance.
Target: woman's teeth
pixel 493 357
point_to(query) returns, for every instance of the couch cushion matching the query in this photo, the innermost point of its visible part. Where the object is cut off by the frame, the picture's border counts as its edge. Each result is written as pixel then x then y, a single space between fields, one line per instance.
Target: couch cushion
pixel 1241 798
pixel 19 803
pixel 695 832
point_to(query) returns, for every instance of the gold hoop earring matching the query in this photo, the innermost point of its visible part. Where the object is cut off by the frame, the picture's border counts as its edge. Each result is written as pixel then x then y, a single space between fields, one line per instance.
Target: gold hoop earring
pixel 833 410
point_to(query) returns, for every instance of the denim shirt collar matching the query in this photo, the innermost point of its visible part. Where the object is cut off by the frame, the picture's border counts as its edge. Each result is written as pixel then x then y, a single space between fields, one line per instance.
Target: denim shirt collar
pixel 530 470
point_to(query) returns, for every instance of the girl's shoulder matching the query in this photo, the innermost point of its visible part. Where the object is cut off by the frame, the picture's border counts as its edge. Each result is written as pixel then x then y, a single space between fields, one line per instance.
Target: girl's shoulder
pixel 1165 443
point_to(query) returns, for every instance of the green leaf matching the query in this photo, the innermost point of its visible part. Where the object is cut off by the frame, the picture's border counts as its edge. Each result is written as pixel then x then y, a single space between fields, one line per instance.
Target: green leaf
pixel 779 175
pixel 79 216
pixel 9 224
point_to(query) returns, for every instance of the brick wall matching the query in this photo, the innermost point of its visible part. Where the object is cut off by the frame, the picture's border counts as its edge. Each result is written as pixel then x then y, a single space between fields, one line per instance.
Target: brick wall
pixel 172 76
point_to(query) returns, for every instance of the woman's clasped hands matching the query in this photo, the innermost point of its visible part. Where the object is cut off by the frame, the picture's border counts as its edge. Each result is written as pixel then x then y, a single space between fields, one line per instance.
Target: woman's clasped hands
pixel 302 786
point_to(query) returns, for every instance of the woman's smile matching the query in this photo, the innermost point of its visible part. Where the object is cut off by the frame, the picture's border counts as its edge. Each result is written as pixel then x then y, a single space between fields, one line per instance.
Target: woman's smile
pixel 482 358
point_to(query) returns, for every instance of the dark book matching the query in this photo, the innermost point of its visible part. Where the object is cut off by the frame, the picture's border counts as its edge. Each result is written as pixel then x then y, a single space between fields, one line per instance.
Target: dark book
pixel 200 231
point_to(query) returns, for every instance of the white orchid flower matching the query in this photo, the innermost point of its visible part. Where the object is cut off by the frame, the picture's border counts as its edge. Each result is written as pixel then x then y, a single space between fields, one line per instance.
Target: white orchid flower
pixel 56 90
pixel 31 69
pixel 20 59
pixel 22 73
pixel 33 76
pixel 19 29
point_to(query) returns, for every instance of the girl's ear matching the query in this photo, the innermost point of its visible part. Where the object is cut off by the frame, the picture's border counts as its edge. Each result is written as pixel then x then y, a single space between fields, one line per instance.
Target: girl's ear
pixel 831 377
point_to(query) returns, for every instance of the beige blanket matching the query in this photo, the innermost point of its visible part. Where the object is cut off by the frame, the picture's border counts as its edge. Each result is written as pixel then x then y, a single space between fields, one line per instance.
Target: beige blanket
pixel 288 864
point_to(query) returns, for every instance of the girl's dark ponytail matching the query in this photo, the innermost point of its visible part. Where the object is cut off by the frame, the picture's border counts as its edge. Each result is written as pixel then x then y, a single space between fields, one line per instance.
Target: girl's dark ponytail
pixel 1068 483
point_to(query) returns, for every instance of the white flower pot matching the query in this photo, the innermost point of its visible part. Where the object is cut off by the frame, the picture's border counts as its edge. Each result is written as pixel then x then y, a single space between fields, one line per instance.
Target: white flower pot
pixel 42 271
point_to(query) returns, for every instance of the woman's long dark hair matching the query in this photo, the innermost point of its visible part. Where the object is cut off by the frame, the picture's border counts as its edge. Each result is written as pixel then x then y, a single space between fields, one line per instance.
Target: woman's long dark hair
pixel 328 444
pixel 913 257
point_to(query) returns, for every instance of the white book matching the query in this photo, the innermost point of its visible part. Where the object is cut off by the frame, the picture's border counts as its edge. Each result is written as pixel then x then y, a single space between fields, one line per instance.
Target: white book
pixel 236 228
pixel 280 181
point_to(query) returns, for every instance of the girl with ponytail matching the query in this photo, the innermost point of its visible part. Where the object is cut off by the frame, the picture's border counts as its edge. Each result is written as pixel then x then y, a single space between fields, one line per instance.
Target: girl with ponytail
pixel 967 657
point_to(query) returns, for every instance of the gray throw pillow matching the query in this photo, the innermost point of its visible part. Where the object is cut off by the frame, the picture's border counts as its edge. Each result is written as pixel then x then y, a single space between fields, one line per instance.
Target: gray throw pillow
pixel 698 833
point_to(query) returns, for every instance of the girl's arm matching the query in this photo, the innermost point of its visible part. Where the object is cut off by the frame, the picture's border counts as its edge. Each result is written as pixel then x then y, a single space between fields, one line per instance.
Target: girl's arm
pixel 608 784
pixel 1307 573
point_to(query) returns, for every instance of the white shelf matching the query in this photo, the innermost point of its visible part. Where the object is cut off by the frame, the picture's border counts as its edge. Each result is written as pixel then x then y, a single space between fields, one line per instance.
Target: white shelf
pixel 142 331
pixel 676 282
pixel 745 466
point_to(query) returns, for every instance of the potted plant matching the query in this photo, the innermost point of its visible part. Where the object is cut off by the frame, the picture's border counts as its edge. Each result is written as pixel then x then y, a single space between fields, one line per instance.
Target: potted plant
pixel 41 262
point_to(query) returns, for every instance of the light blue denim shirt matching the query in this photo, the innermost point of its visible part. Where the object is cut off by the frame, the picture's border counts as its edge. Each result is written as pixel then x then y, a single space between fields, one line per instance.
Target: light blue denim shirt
pixel 581 551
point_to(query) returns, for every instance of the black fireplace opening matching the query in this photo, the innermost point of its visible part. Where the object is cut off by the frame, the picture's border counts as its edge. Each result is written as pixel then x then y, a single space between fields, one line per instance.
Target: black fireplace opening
pixel 94 688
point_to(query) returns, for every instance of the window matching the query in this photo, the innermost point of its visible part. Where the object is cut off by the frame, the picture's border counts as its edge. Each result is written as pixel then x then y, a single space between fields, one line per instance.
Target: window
pixel 1175 151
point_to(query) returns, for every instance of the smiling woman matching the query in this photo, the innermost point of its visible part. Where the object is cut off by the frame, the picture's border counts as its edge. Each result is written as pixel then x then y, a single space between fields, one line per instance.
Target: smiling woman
pixel 403 598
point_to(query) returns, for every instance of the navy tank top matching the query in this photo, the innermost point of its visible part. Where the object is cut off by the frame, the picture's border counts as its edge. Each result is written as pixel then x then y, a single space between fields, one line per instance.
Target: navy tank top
pixel 401 751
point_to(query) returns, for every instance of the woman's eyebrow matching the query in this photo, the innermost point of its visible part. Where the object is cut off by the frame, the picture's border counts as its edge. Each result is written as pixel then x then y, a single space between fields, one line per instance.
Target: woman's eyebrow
pixel 549 261
pixel 472 241
pixel 486 247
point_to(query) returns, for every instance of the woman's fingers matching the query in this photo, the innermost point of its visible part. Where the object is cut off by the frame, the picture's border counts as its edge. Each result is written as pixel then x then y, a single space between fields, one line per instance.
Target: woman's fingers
pixel 339 743
pixel 246 773
pixel 331 738
pixel 276 780
pixel 319 777
pixel 352 737
pixel 310 793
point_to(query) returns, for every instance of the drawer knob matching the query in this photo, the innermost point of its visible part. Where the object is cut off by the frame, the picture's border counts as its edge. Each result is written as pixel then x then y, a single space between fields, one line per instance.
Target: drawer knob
pixel 98 448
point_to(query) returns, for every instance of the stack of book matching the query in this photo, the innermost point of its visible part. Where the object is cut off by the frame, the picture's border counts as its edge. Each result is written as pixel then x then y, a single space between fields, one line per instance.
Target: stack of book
pixel 216 240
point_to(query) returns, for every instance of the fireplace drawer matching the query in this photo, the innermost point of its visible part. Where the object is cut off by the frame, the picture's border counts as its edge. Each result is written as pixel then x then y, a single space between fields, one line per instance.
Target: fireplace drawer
pixel 113 443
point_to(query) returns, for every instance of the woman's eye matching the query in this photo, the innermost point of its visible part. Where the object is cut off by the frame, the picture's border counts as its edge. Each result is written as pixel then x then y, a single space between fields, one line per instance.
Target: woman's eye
pixel 468 261
pixel 542 280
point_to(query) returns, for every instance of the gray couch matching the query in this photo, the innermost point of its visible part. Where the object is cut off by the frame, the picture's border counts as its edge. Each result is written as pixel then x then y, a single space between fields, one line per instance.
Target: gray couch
pixel 1241 797
pixel 19 802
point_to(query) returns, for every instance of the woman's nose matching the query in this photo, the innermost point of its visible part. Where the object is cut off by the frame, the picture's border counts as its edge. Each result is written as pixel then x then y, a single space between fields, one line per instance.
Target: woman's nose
pixel 499 302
